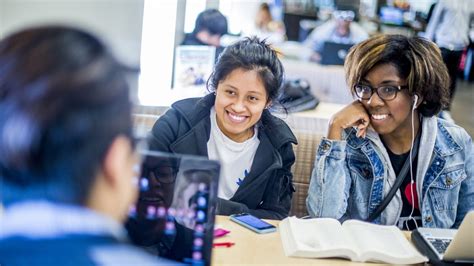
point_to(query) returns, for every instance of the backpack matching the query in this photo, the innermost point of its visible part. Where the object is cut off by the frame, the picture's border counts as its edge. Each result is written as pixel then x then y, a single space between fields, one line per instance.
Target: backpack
pixel 296 96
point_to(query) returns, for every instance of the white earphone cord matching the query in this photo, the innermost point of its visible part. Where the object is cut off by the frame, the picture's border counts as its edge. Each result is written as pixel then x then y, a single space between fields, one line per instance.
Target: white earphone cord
pixel 410 217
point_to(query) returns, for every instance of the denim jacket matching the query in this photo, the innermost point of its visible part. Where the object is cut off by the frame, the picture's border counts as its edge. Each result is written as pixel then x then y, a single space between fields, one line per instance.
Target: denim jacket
pixel 351 177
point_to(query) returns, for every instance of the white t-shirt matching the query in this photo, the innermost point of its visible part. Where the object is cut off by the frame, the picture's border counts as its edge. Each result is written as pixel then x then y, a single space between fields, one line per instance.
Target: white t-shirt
pixel 235 158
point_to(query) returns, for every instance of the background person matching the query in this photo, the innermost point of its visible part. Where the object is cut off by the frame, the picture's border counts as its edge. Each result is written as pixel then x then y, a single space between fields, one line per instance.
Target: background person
pixel 232 125
pixel 265 27
pixel 209 27
pixel 448 27
pixel 340 29
pixel 67 156
pixel 401 84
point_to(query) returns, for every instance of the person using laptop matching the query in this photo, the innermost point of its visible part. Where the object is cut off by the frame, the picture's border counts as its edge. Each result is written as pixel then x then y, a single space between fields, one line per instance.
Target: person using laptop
pixel 387 158
pixel 234 126
pixel 67 156
pixel 341 29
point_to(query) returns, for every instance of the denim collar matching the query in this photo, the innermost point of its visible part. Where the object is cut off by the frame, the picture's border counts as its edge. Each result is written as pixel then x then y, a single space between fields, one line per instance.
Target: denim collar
pixel 355 142
pixel 42 219
pixel 444 144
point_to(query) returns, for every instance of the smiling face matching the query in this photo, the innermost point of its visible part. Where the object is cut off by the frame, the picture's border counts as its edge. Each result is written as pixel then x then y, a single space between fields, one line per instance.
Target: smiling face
pixel 240 100
pixel 392 117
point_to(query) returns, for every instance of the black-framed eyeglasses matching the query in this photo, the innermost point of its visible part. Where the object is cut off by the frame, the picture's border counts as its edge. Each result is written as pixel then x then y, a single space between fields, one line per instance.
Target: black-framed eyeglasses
pixel 385 92
pixel 165 175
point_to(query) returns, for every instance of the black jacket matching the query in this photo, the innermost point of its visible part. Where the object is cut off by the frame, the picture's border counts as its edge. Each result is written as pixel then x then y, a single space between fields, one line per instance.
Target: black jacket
pixel 266 192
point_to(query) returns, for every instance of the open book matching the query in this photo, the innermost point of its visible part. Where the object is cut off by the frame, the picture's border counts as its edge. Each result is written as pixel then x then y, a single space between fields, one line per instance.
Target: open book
pixel 354 240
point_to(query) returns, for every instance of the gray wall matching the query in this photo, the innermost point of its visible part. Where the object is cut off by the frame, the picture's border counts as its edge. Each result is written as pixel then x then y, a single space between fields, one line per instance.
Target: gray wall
pixel 117 22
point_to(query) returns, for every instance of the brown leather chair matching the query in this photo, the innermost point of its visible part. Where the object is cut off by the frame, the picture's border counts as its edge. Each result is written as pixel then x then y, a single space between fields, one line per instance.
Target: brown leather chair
pixel 305 154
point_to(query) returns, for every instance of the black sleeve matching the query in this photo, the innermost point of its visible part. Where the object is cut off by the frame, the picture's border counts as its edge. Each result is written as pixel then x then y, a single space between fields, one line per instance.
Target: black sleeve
pixel 278 194
pixel 164 131
pixel 276 202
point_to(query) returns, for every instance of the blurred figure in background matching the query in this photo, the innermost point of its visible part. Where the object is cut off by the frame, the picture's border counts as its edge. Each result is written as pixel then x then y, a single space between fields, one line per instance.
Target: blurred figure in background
pixel 448 27
pixel 265 27
pixel 340 29
pixel 209 27
pixel 67 154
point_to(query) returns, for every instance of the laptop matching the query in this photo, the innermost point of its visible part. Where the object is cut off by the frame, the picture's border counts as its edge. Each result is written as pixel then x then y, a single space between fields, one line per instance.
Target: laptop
pixel 175 212
pixel 448 244
pixel 334 53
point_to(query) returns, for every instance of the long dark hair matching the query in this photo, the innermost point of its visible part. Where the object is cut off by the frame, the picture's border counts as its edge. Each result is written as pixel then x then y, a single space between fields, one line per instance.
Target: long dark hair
pixel 250 54
pixel 417 60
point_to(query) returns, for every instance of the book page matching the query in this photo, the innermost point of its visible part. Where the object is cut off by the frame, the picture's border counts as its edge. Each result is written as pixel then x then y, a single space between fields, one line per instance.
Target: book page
pixel 382 243
pixel 323 236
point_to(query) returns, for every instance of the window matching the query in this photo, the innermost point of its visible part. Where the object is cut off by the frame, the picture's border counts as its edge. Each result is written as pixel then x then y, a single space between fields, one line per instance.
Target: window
pixel 193 8
pixel 157 50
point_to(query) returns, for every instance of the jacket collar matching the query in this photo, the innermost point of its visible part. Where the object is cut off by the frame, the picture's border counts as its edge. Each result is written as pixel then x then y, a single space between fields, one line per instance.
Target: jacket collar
pixel 436 141
pixel 266 159
pixel 196 109
pixel 277 130
pixel 354 141
pixel 194 142
pixel 444 143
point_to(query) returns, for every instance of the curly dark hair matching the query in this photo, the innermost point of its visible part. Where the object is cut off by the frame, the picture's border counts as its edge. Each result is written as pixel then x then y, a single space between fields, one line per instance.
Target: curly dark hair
pixel 417 60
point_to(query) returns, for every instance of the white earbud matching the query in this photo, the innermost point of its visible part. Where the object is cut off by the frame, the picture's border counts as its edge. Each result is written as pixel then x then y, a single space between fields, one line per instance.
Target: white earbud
pixel 415 101
pixel 412 181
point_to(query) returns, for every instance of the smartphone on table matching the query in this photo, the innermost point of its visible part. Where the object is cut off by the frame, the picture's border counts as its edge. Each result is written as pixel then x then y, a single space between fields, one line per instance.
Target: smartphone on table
pixel 253 223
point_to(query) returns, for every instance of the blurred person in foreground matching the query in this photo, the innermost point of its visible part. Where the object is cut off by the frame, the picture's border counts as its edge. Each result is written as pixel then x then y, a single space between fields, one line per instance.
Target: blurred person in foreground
pixel 340 29
pixel 67 157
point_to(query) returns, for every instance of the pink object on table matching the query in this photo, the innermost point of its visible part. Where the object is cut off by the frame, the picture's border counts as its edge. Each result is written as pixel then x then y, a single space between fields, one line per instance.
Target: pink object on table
pixel 219 232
